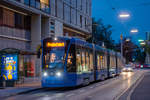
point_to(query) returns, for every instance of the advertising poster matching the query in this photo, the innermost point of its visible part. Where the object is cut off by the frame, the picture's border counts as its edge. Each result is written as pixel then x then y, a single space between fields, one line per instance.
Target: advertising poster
pixel 9 66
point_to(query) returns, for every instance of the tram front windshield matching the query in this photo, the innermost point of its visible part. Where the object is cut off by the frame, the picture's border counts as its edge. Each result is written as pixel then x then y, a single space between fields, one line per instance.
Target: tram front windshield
pixel 54 59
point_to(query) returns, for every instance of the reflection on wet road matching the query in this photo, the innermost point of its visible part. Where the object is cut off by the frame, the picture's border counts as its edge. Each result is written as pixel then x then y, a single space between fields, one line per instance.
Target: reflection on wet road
pixel 106 90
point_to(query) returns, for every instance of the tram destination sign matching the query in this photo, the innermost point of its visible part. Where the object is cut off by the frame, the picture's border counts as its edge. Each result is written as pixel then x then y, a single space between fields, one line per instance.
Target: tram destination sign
pixel 55 44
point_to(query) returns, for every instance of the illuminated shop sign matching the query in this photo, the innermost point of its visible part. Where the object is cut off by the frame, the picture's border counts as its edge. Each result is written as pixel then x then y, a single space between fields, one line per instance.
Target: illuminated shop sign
pixel 9 66
pixel 56 44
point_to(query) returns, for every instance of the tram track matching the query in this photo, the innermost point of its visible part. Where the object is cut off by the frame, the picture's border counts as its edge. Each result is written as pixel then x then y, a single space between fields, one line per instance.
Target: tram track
pixel 86 92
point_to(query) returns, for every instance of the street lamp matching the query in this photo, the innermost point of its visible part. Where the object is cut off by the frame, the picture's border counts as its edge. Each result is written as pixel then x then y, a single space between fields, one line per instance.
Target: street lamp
pixel 134 31
pixel 124 15
pixel 140 40
pixel 143 43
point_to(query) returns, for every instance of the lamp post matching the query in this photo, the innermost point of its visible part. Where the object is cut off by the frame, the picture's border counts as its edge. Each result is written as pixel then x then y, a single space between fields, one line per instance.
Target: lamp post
pixel 123 15
pixel 121 38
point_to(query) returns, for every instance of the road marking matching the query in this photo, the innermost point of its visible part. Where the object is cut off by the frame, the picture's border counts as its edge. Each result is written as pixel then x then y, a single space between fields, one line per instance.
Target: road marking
pixel 117 98
pixel 92 87
pixel 132 90
pixel 82 90
pixel 70 95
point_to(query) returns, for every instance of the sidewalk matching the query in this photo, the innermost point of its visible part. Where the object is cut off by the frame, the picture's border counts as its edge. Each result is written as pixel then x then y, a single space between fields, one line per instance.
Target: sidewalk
pixel 20 89
pixel 142 91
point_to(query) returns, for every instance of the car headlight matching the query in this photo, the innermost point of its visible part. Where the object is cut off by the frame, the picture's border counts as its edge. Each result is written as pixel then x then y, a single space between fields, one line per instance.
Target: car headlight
pixel 58 74
pixel 124 69
pixel 45 74
pixel 129 69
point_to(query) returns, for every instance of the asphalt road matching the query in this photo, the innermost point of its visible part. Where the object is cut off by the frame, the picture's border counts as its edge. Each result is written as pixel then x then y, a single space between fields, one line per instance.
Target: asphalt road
pixel 111 89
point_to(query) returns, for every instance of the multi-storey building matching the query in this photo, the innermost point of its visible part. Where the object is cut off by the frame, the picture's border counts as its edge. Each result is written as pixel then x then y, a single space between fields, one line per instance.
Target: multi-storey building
pixel 24 23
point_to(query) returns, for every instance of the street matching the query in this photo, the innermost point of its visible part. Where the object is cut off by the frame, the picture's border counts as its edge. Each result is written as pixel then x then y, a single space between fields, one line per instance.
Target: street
pixel 74 50
pixel 111 89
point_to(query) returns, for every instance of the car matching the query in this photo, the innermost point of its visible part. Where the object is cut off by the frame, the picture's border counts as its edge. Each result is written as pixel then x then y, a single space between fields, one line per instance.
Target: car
pixel 146 66
pixel 127 69
pixel 137 65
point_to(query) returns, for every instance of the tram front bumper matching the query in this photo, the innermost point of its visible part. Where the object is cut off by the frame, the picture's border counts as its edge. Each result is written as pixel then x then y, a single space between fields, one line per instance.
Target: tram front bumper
pixel 57 82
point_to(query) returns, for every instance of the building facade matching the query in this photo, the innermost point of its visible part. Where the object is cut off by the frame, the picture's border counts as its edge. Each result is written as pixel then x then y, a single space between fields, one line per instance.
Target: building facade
pixel 147 59
pixel 24 23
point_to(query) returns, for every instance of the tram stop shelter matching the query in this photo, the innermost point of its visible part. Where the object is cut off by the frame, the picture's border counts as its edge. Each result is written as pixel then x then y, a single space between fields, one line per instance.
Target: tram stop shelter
pixel 11 62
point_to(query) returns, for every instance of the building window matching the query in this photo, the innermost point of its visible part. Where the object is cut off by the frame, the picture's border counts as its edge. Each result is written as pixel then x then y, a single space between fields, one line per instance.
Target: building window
pixel 56 8
pixel 85 23
pixel 67 13
pixel 27 22
pixel 79 3
pixel 45 2
pixel 26 2
pixel 15 20
pixel 73 16
pixel 81 20
pixel 44 5
pixel 8 18
pixel 1 15
pixel 19 21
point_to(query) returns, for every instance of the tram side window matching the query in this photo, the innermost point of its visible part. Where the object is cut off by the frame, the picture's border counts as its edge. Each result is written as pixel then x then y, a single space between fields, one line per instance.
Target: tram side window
pixel 115 61
pixel 105 61
pixel 47 56
pixel 102 61
pixel 110 61
pixel 88 61
pixel 78 60
pixel 91 61
pixel 84 67
pixel 71 65
pixel 98 62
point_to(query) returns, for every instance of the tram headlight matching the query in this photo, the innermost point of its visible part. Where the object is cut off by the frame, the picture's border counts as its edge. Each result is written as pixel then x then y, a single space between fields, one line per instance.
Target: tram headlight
pixel 55 38
pixel 45 74
pixel 58 74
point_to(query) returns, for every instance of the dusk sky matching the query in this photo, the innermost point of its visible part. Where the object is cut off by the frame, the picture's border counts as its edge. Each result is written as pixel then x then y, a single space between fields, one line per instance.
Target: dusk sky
pixel 108 11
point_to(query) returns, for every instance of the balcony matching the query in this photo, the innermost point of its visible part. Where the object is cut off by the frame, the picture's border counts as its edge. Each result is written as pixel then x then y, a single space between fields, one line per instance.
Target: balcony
pixel 15 33
pixel 13 37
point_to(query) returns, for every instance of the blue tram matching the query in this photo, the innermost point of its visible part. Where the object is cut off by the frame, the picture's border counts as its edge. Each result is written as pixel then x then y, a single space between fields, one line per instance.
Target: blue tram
pixel 68 62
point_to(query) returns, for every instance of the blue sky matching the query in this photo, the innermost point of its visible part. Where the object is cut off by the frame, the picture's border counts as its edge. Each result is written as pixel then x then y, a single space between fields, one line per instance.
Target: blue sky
pixel 138 9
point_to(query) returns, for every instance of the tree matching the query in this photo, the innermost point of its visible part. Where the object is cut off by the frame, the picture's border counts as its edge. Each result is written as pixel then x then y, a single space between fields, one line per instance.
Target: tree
pixel 140 56
pixel 101 34
pixel 131 51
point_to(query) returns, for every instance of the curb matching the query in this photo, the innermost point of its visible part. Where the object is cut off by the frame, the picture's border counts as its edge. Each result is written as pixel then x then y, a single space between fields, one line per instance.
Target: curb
pixel 23 92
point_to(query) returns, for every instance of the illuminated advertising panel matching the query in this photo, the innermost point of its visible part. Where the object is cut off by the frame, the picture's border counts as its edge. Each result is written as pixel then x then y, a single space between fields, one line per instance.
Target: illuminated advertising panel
pixel 9 66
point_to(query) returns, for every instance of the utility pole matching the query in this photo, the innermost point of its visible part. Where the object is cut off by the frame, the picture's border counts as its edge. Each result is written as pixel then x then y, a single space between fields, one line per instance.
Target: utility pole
pixel 121 38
